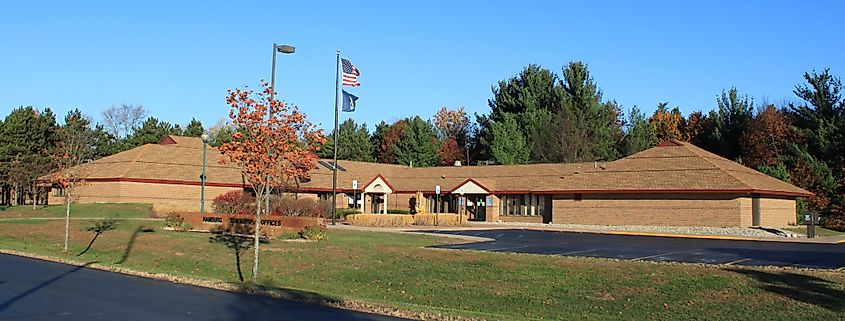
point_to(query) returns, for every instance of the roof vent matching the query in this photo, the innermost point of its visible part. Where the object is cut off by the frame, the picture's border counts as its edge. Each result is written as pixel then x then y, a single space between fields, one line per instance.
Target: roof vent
pixel 457 163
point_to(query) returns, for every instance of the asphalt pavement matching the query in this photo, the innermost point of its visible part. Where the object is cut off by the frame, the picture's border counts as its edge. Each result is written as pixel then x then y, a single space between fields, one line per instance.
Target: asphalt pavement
pixel 653 248
pixel 38 290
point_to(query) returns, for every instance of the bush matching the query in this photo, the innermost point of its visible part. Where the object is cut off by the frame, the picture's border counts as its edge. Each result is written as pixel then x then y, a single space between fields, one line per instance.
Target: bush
pixel 834 223
pixel 175 222
pixel 289 206
pixel 313 232
pixel 234 202
pixel 343 212
pixel 382 220
pixel 443 219
pixel 391 211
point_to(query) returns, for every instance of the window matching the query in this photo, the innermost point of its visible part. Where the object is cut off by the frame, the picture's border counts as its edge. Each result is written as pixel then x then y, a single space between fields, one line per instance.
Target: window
pixel 524 204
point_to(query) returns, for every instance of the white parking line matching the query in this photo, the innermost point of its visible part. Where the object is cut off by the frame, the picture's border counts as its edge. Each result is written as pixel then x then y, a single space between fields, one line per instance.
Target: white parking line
pixel 509 248
pixel 737 261
pixel 519 236
pixel 661 254
pixel 576 252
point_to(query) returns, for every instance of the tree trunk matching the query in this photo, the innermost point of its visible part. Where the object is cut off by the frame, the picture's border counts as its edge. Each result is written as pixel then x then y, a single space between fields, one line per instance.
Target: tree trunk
pixel 67 219
pixel 257 222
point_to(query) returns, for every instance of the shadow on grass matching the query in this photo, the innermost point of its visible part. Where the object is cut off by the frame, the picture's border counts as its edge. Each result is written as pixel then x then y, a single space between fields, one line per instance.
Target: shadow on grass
pixel 8 303
pixel 140 229
pixel 288 304
pixel 805 288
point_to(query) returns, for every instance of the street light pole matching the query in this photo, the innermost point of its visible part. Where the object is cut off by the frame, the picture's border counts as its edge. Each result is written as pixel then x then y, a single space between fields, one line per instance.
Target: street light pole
pixel 202 178
pixel 285 49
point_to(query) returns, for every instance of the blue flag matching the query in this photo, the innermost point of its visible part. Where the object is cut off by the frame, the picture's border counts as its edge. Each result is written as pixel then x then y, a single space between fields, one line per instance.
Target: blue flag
pixel 349 101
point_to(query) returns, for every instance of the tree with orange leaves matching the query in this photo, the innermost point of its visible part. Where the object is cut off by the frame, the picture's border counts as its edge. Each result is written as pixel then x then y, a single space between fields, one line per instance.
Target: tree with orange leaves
pixel 273 144
pixel 668 124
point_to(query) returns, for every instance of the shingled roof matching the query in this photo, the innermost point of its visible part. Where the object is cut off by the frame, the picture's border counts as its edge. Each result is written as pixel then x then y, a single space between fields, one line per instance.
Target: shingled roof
pixel 673 166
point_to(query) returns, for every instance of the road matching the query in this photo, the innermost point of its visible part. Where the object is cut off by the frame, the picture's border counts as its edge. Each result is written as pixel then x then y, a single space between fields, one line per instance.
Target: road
pixel 38 290
pixel 651 248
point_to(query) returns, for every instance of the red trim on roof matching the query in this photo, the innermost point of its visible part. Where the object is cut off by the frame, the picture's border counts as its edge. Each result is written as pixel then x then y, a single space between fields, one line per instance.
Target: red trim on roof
pixel 670 143
pixel 675 191
pixel 167 140
pixel 474 182
pixel 161 181
pixel 383 179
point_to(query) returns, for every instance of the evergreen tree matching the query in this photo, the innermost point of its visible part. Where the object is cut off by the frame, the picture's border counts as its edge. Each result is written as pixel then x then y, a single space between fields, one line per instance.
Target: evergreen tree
pixel 418 145
pixel 532 97
pixel 151 131
pixel 355 144
pixel 640 134
pixel 508 144
pixel 822 117
pixel 27 138
pixel 194 128
pixel 731 117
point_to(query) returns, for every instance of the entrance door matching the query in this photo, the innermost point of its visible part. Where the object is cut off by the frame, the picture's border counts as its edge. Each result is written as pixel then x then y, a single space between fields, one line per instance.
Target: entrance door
pixel 477 207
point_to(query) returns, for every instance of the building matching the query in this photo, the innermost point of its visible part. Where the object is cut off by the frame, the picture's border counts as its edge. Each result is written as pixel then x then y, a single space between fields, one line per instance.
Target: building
pixel 673 184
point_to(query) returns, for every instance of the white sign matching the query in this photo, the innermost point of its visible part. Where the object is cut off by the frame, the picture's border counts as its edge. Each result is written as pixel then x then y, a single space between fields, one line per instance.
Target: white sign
pixel 355 184
pixel 437 189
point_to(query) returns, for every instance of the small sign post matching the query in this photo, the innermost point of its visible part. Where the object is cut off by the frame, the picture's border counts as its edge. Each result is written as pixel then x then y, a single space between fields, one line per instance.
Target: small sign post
pixel 436 204
pixel 354 194
pixel 811 219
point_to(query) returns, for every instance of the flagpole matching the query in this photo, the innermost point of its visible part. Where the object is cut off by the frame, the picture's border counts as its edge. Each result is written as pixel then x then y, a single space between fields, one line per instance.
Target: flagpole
pixel 334 164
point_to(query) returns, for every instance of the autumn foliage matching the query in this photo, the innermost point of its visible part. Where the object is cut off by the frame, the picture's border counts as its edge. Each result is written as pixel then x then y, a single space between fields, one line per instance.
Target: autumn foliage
pixel 270 150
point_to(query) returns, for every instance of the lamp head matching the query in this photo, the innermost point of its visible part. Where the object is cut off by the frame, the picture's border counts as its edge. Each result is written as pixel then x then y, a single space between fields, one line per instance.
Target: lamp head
pixel 204 138
pixel 285 49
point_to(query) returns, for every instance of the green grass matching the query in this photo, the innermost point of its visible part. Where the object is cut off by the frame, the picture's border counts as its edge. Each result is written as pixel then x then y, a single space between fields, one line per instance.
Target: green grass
pixel 396 270
pixel 103 210
pixel 820 231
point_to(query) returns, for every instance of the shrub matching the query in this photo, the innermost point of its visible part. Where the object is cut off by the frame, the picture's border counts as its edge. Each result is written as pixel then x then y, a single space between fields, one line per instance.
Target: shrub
pixel 343 212
pixel 234 202
pixel 313 232
pixel 834 223
pixel 175 222
pixel 391 211
pixel 442 219
pixel 289 206
pixel 382 220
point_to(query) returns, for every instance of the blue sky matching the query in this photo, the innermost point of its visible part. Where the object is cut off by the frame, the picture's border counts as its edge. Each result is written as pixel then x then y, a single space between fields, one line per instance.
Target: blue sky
pixel 178 58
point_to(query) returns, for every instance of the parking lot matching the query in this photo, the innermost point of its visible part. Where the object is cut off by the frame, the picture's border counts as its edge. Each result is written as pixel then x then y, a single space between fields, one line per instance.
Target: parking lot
pixel 652 248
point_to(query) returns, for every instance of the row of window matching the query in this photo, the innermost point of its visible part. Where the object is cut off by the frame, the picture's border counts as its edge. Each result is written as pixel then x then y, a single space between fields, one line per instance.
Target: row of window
pixel 525 204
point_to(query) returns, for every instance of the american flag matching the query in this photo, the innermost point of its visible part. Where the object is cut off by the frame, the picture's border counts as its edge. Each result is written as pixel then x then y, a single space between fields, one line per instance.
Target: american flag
pixel 350 73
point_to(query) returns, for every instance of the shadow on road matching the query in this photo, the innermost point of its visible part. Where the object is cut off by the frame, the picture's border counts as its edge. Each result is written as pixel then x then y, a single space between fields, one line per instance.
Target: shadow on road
pixel 6 304
pixel 809 289
pixel 291 305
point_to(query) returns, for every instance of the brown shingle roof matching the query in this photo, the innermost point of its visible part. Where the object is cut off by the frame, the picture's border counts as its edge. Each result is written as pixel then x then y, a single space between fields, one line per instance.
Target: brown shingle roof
pixel 676 166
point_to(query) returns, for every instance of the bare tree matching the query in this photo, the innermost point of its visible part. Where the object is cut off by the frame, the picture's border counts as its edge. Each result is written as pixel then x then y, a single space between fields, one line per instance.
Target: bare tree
pixel 122 120
pixel 74 148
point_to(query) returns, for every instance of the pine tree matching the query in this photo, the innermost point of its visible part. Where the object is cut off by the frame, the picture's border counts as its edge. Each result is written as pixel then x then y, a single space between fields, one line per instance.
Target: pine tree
pixel 355 144
pixel 508 145
pixel 418 145
pixel 640 134
pixel 194 128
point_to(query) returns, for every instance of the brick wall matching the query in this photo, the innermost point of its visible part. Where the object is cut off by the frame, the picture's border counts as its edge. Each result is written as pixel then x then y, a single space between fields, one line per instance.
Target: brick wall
pixel 777 212
pixel 164 197
pixel 649 209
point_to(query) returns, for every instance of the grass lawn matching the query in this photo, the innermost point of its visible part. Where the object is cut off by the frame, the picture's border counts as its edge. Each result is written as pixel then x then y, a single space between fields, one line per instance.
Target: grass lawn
pixel 820 231
pixel 80 211
pixel 396 270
